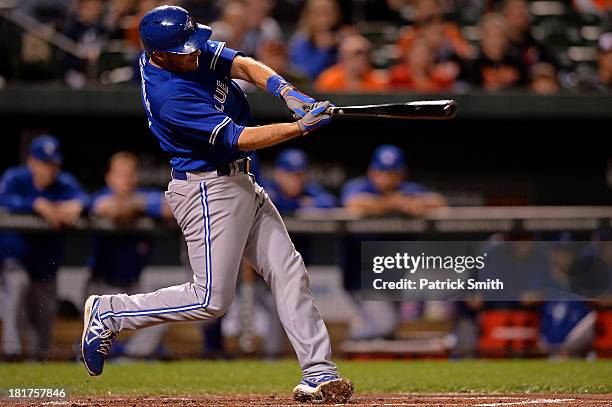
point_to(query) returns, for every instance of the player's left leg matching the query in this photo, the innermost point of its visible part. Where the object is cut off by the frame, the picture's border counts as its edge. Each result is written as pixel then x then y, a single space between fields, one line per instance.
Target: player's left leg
pixel 271 253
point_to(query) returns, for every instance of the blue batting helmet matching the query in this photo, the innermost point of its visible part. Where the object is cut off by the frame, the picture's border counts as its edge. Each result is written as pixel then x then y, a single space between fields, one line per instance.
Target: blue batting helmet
pixel 172 29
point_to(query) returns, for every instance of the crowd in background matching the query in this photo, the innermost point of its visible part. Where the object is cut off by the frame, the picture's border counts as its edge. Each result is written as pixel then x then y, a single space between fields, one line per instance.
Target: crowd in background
pixel 334 45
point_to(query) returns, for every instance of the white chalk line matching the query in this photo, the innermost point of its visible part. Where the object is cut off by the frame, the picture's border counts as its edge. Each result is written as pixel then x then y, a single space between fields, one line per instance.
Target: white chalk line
pixel 536 401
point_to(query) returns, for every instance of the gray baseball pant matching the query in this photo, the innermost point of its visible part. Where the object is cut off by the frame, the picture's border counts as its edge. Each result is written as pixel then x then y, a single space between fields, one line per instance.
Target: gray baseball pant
pixel 223 219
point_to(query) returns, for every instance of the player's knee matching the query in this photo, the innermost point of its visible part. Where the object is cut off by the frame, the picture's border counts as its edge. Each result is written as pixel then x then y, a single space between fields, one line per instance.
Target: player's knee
pixel 218 302
pixel 216 311
pixel 219 305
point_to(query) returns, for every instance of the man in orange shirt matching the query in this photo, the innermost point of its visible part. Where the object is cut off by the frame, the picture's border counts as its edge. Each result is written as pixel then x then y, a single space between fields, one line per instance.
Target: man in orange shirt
pixel 442 36
pixel 418 72
pixel 353 72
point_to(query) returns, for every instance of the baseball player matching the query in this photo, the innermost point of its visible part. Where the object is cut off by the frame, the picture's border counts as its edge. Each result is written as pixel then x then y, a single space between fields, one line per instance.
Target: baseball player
pixel 202 120
pixel 117 262
pixel 290 189
pixel 384 190
pixel 41 188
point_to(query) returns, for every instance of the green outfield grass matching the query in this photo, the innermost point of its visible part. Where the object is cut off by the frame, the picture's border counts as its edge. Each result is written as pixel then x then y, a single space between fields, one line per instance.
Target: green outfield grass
pixel 246 376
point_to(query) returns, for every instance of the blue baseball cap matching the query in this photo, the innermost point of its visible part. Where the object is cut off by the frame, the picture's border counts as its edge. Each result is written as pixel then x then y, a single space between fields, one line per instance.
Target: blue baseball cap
pixel 46 148
pixel 292 160
pixel 388 158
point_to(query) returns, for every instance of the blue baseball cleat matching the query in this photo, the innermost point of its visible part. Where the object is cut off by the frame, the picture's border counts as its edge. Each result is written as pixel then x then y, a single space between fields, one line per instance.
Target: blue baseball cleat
pixel 97 338
pixel 326 388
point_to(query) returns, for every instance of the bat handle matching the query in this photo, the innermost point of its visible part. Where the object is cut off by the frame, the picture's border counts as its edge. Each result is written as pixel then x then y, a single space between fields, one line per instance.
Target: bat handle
pixel 332 110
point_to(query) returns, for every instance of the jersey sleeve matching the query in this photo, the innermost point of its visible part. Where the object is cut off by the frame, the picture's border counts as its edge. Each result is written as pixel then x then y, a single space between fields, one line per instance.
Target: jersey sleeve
pixel 154 201
pixel 218 58
pixel 353 188
pixel 10 196
pixel 71 189
pixel 97 198
pixel 322 198
pixel 412 188
pixel 193 117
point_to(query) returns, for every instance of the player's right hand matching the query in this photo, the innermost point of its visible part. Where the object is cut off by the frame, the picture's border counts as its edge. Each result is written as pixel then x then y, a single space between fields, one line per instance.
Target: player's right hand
pixel 297 102
pixel 315 118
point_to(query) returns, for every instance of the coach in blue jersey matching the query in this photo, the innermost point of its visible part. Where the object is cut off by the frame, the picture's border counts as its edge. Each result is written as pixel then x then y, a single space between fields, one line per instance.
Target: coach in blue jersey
pixel 39 187
pixel 202 121
pixel 384 190
pixel 290 189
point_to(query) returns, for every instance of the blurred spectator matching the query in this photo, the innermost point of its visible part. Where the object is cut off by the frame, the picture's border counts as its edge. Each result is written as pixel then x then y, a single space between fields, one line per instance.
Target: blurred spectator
pixel 385 189
pixel 544 79
pixel 203 11
pixel 39 188
pixel 387 10
pixel 245 25
pixel 117 261
pixel 353 72
pixel 261 27
pixel 314 46
pixel 600 7
pixel 496 68
pixel 518 29
pixel 443 37
pixel 131 24
pixel 117 17
pixel 602 80
pixel 417 71
pixel 290 189
pixel 604 62
pixel 274 54
pixel 52 12
pixel 232 27
pixel 86 28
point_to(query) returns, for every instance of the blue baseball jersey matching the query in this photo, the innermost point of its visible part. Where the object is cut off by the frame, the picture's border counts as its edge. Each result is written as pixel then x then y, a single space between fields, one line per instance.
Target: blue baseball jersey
pixel 197 116
pixel 362 185
pixel 119 260
pixel 17 190
pixel 313 196
pixel 41 254
pixel 559 318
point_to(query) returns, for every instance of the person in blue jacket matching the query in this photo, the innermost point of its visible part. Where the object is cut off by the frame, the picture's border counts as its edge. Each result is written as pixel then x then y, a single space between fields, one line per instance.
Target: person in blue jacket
pixel 290 189
pixel 40 188
pixel 384 190
pixel 117 261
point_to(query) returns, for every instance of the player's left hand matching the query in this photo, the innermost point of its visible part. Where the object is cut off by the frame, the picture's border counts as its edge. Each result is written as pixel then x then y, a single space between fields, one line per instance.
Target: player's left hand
pixel 316 117
pixel 296 101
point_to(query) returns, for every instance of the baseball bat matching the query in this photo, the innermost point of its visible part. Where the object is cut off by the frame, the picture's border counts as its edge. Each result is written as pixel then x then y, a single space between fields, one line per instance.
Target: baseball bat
pixel 418 110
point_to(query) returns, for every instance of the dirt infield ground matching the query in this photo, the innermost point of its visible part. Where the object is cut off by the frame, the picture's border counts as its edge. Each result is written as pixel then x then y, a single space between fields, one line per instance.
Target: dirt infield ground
pixel 378 400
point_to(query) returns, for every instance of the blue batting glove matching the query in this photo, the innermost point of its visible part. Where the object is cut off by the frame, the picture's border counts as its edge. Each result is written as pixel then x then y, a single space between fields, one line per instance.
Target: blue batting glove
pixel 296 101
pixel 316 117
